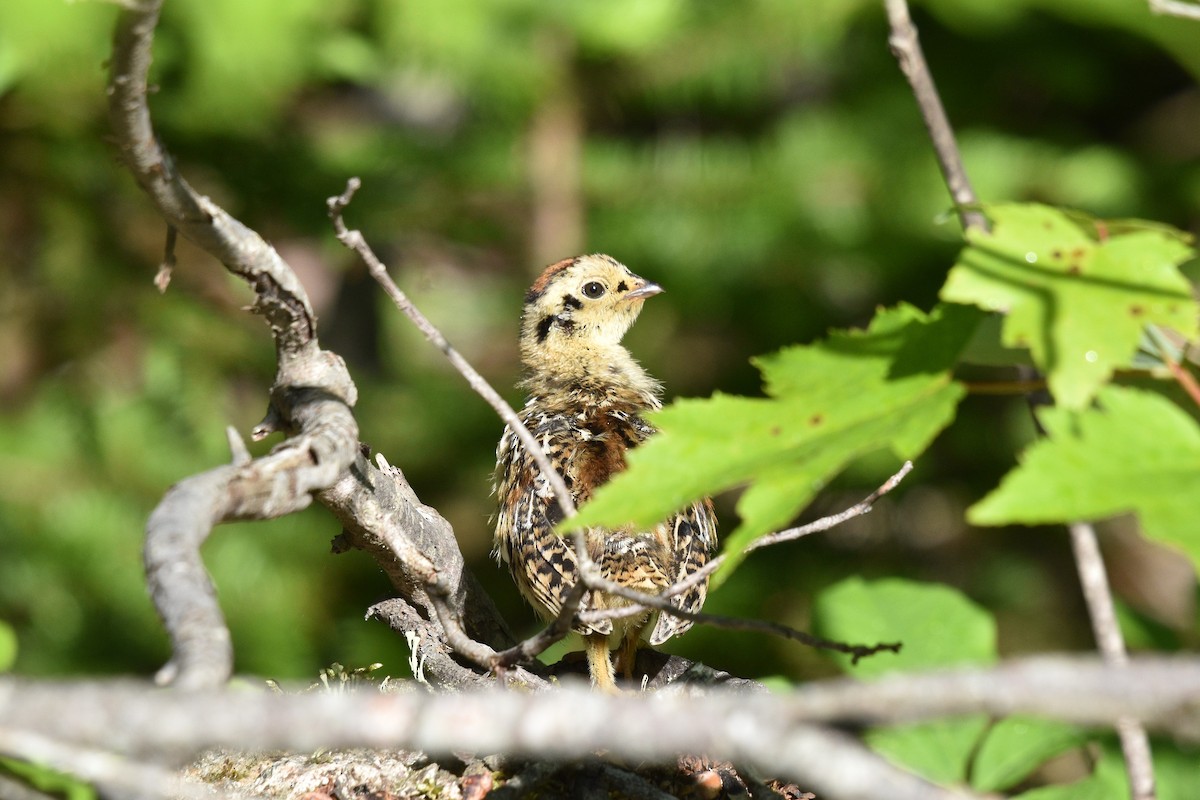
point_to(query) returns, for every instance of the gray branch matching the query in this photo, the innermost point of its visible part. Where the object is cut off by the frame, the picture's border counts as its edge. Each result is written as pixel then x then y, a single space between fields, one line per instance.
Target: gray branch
pixel 311 397
pixel 903 41
pixel 1135 744
pixel 311 402
pixel 783 735
pixel 1093 579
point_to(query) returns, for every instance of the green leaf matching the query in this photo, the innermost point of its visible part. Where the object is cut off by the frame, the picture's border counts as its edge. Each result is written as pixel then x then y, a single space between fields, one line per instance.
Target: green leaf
pixel 937 625
pixel 851 394
pixel 45 779
pixel 939 750
pixel 8 646
pixel 1016 746
pixel 1137 452
pixel 1077 295
pixel 1176 770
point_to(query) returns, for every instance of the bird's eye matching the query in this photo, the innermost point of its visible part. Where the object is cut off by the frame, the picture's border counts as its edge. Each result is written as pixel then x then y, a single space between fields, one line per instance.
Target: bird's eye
pixel 593 290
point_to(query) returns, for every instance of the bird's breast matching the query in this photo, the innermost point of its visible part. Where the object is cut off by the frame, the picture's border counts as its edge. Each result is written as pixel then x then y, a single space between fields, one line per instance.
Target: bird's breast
pixel 600 454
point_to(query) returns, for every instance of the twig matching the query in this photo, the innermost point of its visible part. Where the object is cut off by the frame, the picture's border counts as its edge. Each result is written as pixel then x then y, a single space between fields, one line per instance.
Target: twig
pixel 162 278
pixel 771 732
pixel 597 583
pixel 558 628
pixel 788 535
pixel 903 41
pixel 537 643
pixel 1182 376
pixel 906 48
pixel 441 599
pixel 826 523
pixel 1135 745
pixel 1175 8
pixel 354 240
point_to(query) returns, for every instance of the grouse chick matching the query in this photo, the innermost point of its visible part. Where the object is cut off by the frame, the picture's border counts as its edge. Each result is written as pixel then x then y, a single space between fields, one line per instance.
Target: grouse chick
pixel 587 396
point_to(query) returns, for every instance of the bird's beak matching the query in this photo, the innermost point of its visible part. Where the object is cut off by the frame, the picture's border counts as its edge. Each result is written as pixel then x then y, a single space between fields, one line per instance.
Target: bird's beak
pixel 647 289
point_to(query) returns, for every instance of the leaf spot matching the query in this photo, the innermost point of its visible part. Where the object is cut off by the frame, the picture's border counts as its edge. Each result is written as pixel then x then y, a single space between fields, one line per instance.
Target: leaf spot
pixel 776 430
pixel 815 420
pixel 1136 310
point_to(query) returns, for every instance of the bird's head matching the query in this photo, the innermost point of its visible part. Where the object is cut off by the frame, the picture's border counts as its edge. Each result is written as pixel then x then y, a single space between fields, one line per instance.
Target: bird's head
pixel 581 303
pixel 576 313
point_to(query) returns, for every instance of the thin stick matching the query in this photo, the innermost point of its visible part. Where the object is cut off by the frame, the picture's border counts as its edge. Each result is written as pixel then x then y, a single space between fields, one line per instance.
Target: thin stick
pixel 555 631
pixel 1135 745
pixel 537 643
pixel 791 534
pixel 354 240
pixel 439 597
pixel 1184 378
pixel 1175 8
pixel 906 48
pixel 903 42
pixel 596 582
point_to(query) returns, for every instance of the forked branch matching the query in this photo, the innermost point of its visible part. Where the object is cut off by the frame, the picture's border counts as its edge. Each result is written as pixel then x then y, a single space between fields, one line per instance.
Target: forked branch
pixel 313 392
pixel 310 401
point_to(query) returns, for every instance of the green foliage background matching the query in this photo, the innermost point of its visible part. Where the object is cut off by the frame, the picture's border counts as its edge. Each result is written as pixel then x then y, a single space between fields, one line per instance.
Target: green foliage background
pixel 764 161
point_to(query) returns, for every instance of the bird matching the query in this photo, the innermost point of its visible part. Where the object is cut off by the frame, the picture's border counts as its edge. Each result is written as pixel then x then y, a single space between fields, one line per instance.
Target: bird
pixel 586 406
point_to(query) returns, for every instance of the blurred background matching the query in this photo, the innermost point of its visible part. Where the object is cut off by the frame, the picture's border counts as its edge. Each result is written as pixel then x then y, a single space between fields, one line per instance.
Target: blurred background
pixel 762 160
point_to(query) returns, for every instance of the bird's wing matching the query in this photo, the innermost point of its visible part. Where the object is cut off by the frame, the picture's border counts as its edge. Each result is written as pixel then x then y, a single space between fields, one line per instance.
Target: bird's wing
pixel 542 562
pixel 695 540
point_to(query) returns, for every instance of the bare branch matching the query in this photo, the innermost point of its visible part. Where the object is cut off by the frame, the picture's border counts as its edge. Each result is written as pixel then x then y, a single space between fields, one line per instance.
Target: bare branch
pixel 1181 374
pixel 597 583
pixel 773 733
pixel 791 534
pixel 1176 8
pixel 554 632
pixel 354 240
pixel 906 48
pixel 310 400
pixel 441 602
pixel 313 391
pixel 1135 745
pixel 279 295
pixel 903 41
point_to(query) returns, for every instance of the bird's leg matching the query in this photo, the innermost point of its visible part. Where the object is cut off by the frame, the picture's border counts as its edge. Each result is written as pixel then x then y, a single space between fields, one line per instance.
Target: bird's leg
pixel 627 655
pixel 599 662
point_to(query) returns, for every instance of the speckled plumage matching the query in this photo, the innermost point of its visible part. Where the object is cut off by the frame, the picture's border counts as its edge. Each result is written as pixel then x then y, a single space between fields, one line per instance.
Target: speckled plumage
pixel 586 400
